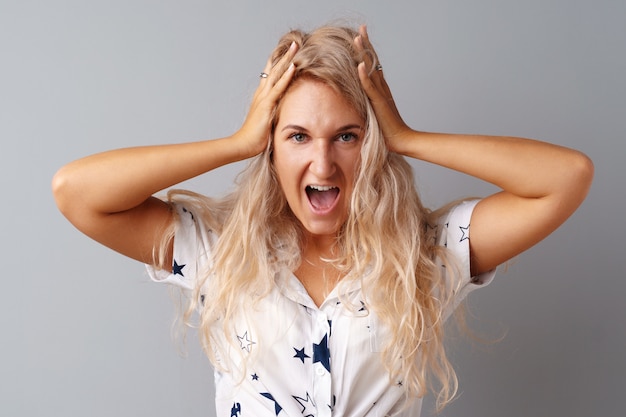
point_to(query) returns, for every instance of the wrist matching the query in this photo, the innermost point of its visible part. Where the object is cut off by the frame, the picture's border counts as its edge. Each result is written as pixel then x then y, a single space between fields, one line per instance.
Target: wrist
pixel 243 147
pixel 403 141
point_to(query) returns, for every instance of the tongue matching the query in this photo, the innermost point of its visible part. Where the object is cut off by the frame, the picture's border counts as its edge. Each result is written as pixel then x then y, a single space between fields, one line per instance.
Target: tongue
pixel 322 199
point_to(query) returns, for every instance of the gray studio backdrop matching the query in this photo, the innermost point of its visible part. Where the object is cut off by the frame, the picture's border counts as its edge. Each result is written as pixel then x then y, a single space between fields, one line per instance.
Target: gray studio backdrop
pixel 84 332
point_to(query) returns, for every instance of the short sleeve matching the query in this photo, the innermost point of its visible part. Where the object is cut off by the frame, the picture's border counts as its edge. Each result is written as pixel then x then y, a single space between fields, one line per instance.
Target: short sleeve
pixel 453 232
pixel 192 245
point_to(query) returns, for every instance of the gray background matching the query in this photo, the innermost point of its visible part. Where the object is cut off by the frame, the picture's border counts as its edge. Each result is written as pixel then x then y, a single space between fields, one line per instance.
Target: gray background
pixel 84 333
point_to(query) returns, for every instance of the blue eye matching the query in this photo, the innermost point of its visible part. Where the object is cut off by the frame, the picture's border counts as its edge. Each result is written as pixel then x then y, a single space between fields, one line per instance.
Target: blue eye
pixel 347 137
pixel 297 137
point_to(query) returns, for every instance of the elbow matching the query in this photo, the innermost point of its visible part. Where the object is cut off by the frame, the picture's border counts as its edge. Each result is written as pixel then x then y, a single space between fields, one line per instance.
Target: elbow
pixel 583 172
pixel 578 179
pixel 61 190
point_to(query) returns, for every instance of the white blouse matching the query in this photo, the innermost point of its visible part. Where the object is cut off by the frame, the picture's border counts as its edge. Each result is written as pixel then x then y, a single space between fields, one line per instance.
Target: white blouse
pixel 308 360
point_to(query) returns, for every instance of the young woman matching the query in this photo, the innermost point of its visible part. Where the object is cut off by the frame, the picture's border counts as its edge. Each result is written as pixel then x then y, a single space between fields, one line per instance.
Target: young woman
pixel 321 282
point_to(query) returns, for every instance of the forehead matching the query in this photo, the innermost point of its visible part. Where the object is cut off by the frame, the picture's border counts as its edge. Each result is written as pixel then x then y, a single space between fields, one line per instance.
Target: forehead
pixel 311 103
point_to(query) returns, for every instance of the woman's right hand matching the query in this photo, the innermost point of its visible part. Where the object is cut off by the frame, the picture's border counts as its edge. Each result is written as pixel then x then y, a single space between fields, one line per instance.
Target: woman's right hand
pixel 254 134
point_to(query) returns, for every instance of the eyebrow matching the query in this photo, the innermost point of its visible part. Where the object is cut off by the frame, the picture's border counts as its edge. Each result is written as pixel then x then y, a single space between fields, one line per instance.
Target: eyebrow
pixel 342 128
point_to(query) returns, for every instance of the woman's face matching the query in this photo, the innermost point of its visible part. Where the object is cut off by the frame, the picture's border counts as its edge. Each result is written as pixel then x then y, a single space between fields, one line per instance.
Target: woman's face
pixel 317 144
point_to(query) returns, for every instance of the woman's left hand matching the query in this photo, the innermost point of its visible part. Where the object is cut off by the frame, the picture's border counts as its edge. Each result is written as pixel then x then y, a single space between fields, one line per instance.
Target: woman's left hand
pixel 542 184
pixel 393 127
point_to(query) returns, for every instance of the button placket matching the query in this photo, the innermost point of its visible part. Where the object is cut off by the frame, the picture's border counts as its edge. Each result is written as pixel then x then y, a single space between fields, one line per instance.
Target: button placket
pixel 322 381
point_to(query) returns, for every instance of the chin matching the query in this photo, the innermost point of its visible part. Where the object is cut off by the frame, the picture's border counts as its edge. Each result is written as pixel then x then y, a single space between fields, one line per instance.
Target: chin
pixel 318 230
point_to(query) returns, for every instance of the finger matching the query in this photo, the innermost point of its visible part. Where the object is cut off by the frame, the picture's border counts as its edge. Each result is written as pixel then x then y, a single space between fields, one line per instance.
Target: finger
pixel 267 68
pixel 387 115
pixel 370 88
pixel 273 72
pixel 366 45
pixel 377 76
pixel 370 58
pixel 364 34
pixel 382 102
pixel 276 72
pixel 282 83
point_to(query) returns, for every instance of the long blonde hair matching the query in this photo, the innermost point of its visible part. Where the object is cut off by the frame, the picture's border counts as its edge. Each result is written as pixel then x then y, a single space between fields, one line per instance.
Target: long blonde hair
pixel 383 241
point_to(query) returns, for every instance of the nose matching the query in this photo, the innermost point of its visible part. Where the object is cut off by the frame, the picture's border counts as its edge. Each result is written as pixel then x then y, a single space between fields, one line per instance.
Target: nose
pixel 322 159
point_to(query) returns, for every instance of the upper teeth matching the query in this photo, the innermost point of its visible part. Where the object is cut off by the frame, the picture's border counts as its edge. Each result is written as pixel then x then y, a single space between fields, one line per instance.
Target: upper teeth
pixel 322 187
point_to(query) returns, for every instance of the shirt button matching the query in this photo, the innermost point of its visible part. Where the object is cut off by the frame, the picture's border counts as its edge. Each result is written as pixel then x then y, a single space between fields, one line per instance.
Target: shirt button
pixel 320 371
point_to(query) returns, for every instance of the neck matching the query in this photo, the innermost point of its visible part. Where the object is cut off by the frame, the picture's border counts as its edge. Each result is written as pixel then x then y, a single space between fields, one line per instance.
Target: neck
pixel 316 274
pixel 319 247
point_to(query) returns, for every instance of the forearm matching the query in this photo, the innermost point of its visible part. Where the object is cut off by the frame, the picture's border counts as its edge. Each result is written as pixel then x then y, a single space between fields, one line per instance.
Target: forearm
pixel 121 179
pixel 524 167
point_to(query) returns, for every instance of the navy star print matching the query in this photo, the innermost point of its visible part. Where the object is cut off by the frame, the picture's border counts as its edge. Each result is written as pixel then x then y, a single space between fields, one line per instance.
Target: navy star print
pixel 178 269
pixel 300 354
pixel 321 353
pixel 236 410
pixel 277 407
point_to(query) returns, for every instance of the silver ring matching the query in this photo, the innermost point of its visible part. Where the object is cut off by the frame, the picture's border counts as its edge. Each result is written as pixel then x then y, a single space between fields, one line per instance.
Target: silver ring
pixel 263 75
pixel 378 67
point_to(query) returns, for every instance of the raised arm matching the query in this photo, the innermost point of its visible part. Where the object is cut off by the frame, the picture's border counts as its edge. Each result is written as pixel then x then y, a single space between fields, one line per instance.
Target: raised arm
pixel 108 196
pixel 542 184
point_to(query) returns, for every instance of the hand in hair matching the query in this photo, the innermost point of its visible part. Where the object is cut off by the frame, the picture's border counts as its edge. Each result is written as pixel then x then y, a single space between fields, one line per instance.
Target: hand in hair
pixel 393 127
pixel 255 131
pixel 541 184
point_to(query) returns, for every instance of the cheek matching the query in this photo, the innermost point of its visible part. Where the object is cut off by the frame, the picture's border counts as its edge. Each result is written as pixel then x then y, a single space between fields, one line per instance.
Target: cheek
pixel 277 164
pixel 352 166
pixel 285 174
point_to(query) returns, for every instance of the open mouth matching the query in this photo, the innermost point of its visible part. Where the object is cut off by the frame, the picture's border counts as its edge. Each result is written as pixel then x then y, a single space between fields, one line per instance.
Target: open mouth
pixel 322 197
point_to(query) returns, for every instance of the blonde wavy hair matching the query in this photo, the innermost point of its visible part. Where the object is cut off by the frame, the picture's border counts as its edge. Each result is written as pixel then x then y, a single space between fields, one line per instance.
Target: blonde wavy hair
pixel 383 243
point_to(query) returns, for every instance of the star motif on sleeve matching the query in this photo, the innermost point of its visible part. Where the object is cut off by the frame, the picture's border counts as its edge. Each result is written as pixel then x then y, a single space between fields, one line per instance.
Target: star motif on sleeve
pixel 277 407
pixel 321 353
pixel 254 377
pixel 465 233
pixel 304 403
pixel 245 341
pixel 300 354
pixel 178 269
pixel 190 213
